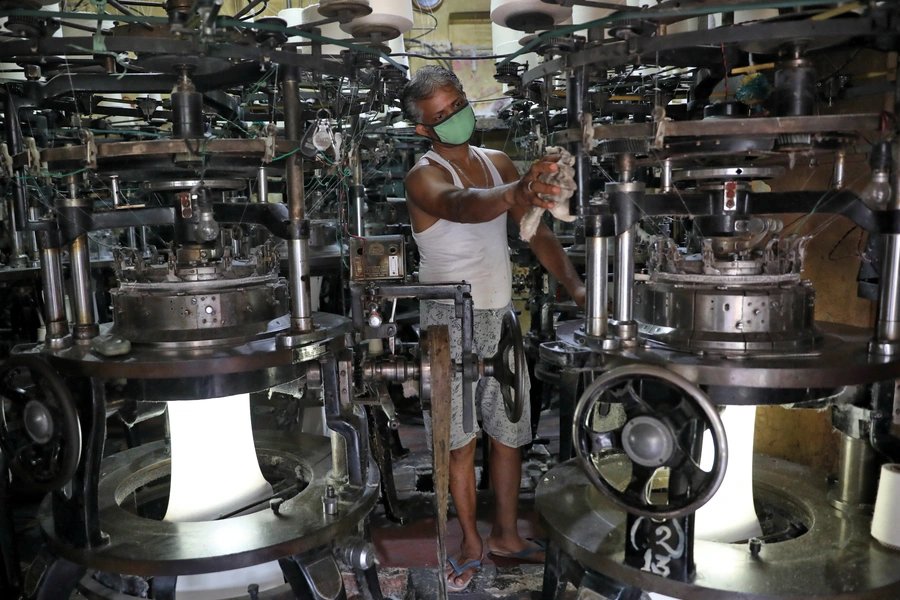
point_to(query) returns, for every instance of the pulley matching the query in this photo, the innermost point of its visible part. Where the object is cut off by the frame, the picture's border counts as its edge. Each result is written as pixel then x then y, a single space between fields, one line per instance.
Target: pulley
pixel 40 431
pixel 660 426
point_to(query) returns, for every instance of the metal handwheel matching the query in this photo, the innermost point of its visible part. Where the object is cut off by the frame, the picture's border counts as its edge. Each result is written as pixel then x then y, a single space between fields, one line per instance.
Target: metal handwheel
pixel 39 427
pixel 662 426
pixel 512 379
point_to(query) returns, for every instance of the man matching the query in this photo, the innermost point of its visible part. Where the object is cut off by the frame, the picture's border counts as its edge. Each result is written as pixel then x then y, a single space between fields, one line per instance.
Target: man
pixel 459 197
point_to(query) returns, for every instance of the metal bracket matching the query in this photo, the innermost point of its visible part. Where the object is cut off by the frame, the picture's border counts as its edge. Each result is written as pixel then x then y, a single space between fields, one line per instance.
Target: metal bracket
pixel 313 575
pixel 269 153
pixel 33 156
pixel 90 148
pixel 309 352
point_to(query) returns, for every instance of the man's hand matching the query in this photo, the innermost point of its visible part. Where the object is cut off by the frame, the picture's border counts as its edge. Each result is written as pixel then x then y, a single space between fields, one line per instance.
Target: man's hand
pixel 525 192
pixel 578 295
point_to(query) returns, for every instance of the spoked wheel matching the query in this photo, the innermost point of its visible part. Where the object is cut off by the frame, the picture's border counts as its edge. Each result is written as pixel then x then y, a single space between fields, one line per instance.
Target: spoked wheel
pixel 511 373
pixel 660 423
pixel 40 432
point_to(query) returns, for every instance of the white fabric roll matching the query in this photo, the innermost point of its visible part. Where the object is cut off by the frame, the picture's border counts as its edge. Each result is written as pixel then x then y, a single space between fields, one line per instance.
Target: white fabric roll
pixel 730 515
pixel 386 16
pixel 310 14
pixel 886 518
pixel 215 472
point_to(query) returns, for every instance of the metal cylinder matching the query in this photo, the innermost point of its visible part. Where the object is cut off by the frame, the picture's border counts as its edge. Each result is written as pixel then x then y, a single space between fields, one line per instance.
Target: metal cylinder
pixel 54 295
pixel 187 114
pixel 298 249
pixel 82 292
pixel 597 273
pixel 887 324
pixel 339 471
pixel 665 178
pixel 623 277
pixel 858 469
pixel 262 183
pixel 839 164
pixel 298 261
pixel 795 88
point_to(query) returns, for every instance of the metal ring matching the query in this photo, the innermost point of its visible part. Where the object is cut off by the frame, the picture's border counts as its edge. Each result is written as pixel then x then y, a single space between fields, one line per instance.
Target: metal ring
pixel 529 186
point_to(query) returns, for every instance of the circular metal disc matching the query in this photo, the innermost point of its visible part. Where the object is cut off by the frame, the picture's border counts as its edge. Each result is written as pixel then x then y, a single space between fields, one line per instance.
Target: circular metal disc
pixel 146 547
pixel 837 557
pixel 840 359
pixel 728 173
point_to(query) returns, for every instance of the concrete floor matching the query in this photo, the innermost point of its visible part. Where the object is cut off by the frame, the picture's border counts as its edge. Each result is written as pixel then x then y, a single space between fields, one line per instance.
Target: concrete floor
pixel 407 554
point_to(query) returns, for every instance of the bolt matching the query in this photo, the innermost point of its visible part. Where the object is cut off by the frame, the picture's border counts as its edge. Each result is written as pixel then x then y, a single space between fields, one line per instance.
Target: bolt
pixel 253 590
pixel 330 502
pixel 209 310
pixel 275 505
pixel 755 546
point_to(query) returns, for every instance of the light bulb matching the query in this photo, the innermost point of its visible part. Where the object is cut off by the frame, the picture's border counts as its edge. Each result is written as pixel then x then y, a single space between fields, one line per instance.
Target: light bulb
pixel 877 194
pixel 322 139
pixel 207 228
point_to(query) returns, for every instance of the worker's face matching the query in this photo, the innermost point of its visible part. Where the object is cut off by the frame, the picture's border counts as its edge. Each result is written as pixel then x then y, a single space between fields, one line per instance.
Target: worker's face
pixel 446 117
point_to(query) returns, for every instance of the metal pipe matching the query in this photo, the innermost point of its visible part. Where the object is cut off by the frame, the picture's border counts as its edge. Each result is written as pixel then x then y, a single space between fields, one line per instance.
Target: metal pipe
pixel 665 180
pixel 16 145
pixel 82 293
pixel 262 183
pixel 55 320
pixel 887 325
pixel 17 240
pixel 298 257
pixel 839 163
pixel 857 474
pixel 575 88
pixel 301 308
pixel 114 189
pixel 358 191
pixel 597 273
pixel 623 277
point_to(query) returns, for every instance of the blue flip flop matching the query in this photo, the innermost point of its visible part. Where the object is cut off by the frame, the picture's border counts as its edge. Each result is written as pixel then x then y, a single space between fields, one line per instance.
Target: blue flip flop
pixel 522 554
pixel 458 571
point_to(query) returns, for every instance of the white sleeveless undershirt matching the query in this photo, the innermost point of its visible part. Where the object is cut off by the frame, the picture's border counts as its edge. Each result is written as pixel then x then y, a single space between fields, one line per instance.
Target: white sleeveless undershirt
pixel 473 252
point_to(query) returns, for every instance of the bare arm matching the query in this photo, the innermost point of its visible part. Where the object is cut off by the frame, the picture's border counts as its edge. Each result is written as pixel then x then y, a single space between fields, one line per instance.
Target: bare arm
pixel 551 254
pixel 544 244
pixel 430 190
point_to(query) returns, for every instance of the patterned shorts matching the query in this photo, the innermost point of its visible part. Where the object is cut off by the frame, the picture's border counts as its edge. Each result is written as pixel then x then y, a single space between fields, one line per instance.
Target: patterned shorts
pixel 490 411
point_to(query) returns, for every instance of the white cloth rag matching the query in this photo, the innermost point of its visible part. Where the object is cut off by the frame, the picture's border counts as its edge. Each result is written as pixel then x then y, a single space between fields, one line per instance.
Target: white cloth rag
pixel 564 179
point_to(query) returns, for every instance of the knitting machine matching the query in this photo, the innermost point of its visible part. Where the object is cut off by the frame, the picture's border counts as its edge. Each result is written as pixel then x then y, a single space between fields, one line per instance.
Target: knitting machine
pixel 710 310
pixel 201 315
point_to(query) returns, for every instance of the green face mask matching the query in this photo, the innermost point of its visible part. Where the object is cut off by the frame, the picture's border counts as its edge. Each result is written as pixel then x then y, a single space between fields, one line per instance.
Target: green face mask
pixel 457 128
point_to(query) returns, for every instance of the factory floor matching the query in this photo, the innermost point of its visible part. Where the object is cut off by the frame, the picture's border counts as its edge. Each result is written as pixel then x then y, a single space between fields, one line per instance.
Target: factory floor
pixel 408 553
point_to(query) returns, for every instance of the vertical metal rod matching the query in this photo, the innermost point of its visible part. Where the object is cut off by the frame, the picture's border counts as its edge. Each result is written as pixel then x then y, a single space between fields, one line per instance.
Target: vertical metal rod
pixel 623 277
pixel 597 275
pixel 17 256
pixel 839 163
pixel 887 325
pixel 574 111
pixel 83 297
pixel 55 320
pixel 857 474
pixel 114 189
pixel 15 143
pixel 666 177
pixel 298 255
pixel 358 192
pixel 262 183
pixel 132 238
